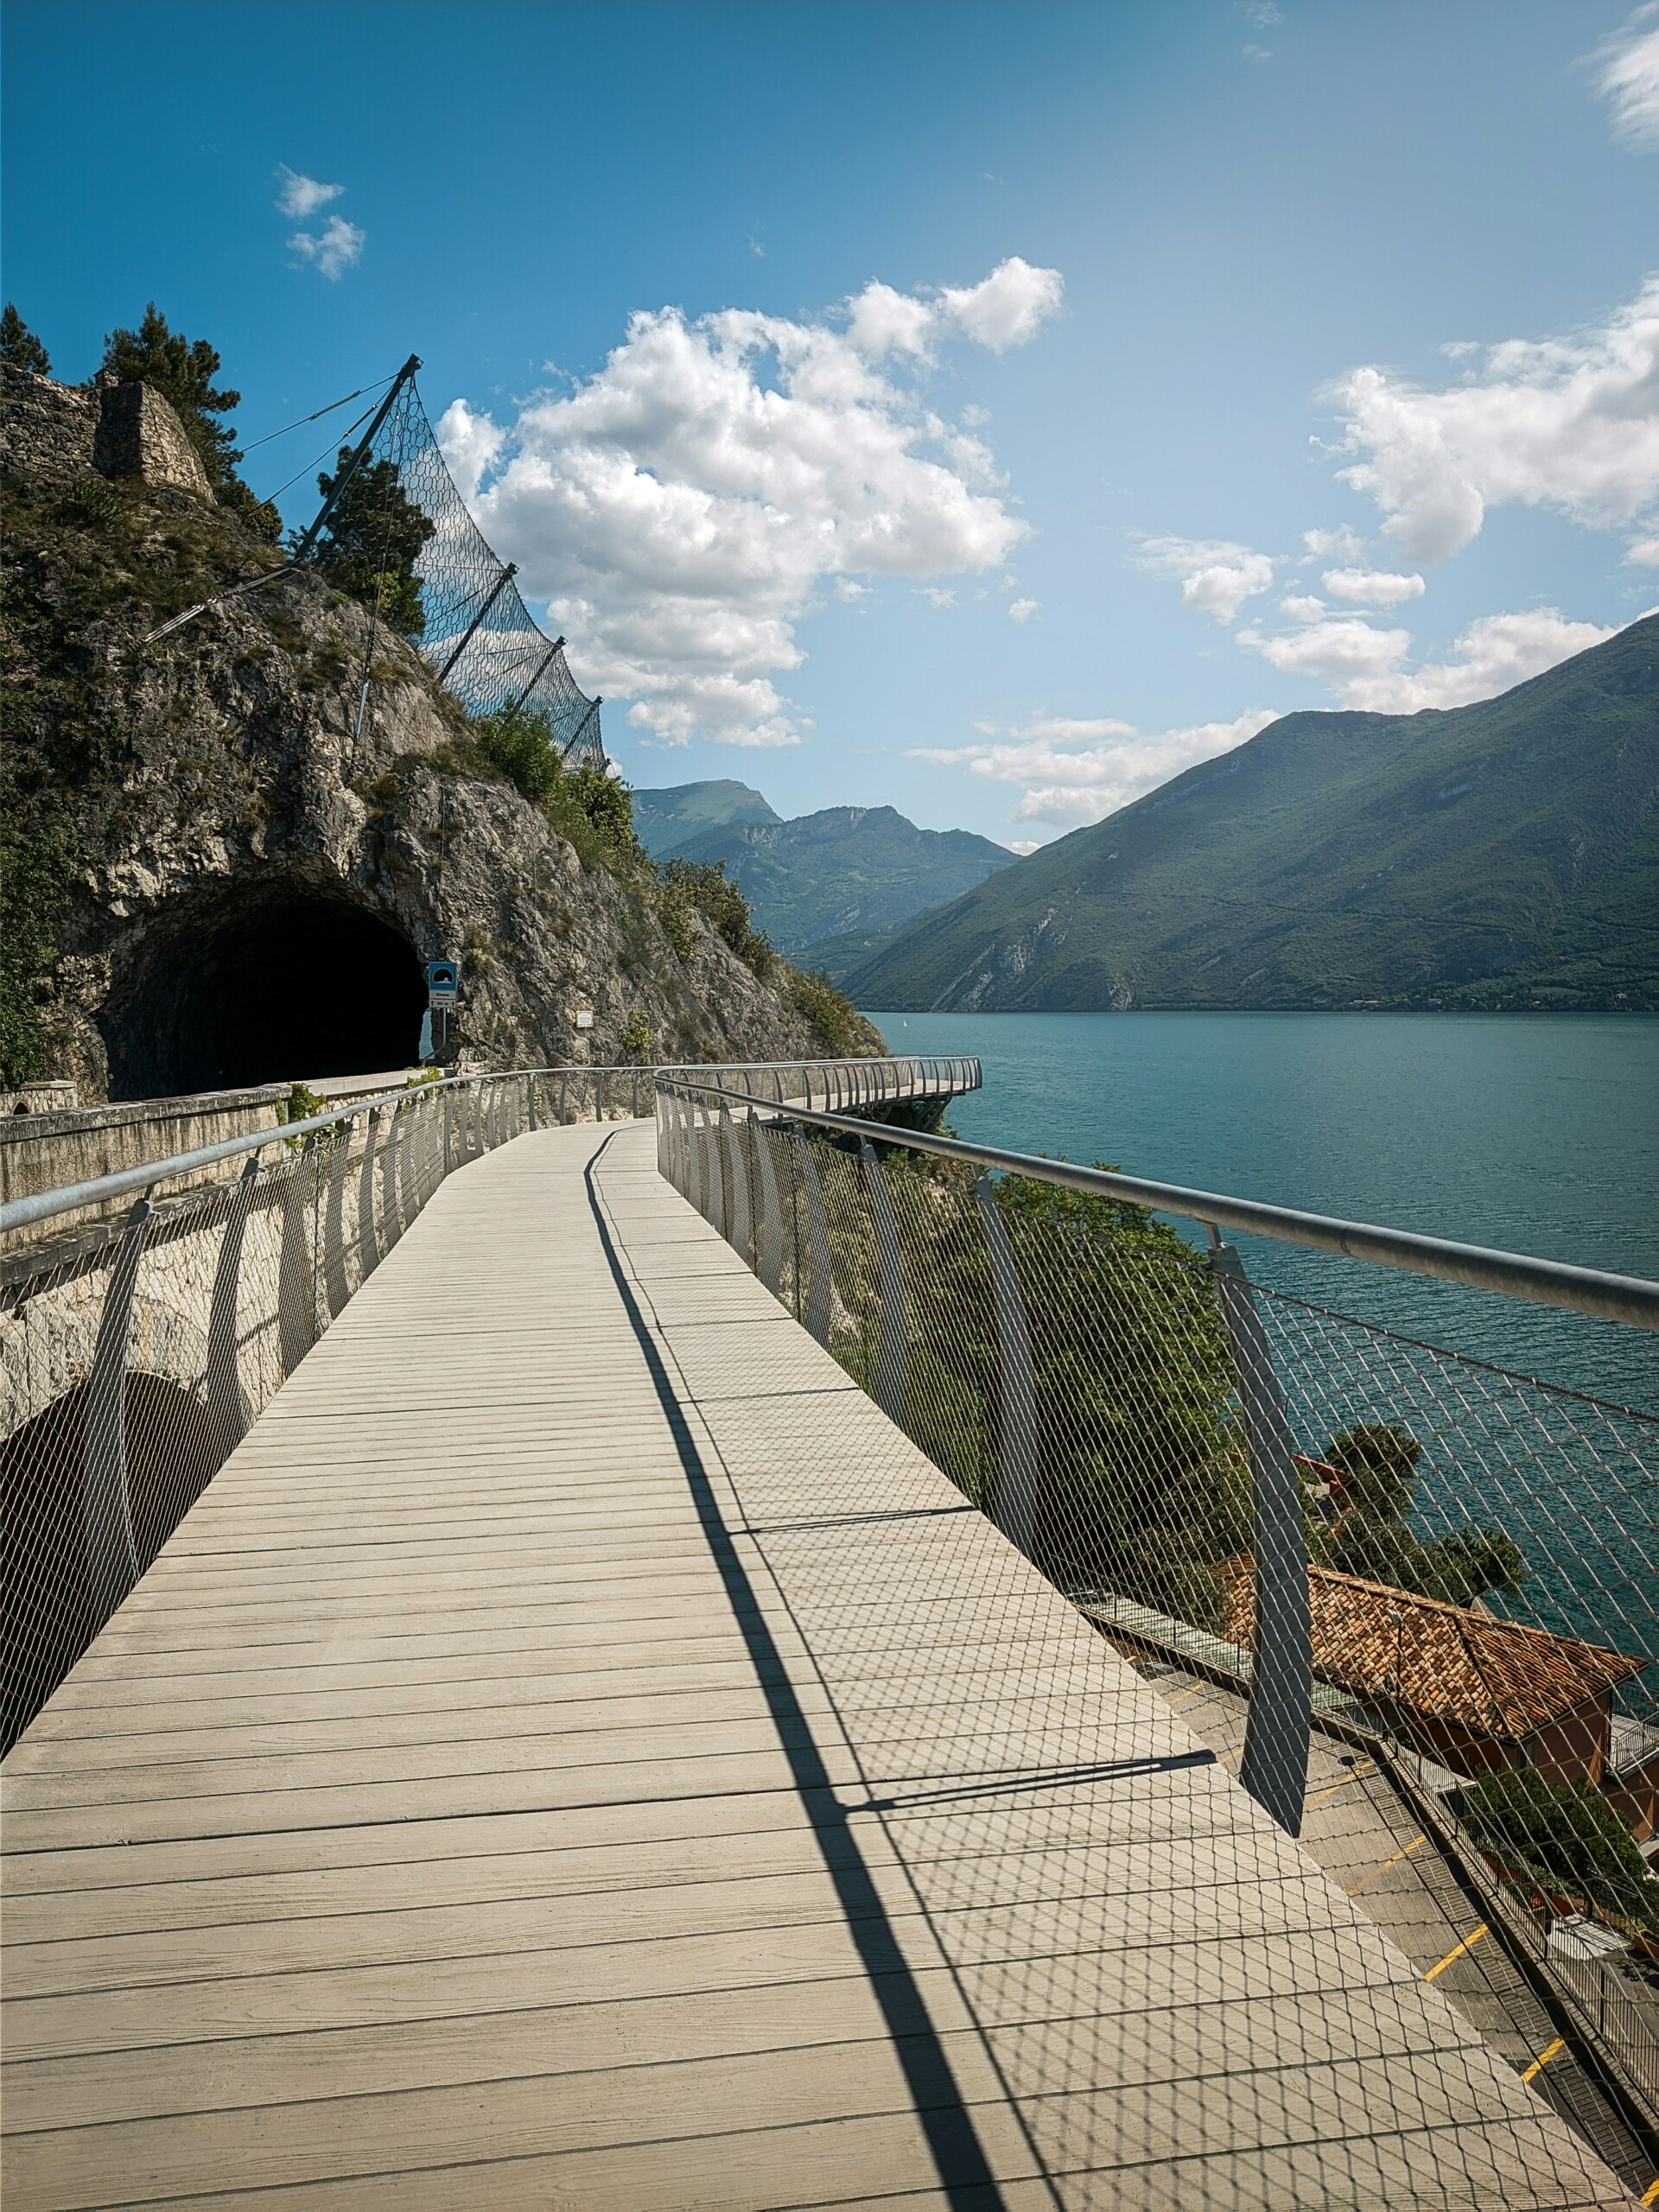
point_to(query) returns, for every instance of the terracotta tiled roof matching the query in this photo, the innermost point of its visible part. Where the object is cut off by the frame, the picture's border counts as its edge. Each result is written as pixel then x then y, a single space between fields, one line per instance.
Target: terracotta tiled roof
pixel 1449 1661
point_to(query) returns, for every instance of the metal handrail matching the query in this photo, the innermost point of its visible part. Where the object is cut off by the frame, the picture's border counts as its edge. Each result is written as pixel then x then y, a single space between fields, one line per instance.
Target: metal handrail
pixel 45 1205
pixel 1630 1299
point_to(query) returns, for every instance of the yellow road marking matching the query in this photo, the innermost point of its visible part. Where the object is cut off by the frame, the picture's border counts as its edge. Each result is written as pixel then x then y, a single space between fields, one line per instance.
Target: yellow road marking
pixel 1651 2196
pixel 1543 2058
pixel 1415 1843
pixel 1183 1696
pixel 1366 1766
pixel 1227 1757
pixel 1456 1952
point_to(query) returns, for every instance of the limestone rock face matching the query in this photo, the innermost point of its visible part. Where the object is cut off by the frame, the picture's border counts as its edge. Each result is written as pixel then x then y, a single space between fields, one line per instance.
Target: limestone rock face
pixel 139 434
pixel 254 880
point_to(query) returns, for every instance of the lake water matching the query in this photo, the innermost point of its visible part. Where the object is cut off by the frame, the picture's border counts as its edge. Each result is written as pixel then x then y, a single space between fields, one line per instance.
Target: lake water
pixel 1531 1132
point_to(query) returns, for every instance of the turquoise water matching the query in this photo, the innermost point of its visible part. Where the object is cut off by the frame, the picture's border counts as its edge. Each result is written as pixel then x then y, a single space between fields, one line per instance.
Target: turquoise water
pixel 1532 1133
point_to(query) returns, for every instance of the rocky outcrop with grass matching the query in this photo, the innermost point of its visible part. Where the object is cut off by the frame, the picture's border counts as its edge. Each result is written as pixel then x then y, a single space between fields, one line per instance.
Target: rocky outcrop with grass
pixel 207 863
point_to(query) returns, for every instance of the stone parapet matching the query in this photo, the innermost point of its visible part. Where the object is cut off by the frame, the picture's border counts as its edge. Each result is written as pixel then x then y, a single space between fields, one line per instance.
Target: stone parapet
pixel 54 433
pixel 140 436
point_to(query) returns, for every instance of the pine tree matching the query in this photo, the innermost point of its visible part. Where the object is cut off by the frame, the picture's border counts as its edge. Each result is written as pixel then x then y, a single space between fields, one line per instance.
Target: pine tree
pixel 19 346
pixel 374 538
pixel 183 370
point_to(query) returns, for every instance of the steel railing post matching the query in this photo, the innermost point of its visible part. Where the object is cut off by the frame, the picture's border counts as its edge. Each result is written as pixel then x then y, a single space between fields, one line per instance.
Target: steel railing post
pixel 738 1228
pixel 892 1339
pixel 333 1227
pixel 1017 1460
pixel 820 1294
pixel 714 1211
pixel 296 1307
pixel 226 1410
pixel 106 1505
pixel 368 1245
pixel 770 1243
pixel 408 1203
pixel 1276 1732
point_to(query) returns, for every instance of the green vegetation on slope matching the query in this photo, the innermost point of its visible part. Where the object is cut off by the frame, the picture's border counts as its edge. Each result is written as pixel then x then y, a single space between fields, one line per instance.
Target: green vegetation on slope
pixel 1500 854
pixel 598 814
pixel 847 869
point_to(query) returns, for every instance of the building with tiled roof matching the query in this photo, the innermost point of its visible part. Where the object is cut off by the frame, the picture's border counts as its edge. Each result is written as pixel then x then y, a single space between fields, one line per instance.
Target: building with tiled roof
pixel 1477 1693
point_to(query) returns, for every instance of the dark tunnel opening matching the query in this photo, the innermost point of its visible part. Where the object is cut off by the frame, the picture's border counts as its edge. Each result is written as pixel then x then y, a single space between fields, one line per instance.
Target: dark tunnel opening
pixel 283 983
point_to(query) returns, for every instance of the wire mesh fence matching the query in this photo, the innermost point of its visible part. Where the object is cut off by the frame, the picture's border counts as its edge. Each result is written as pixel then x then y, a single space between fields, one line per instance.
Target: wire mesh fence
pixel 396 532
pixel 1422 1594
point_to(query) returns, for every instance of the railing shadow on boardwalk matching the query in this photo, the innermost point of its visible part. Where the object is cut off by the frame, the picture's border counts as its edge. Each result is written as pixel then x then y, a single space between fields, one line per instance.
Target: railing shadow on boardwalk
pixel 1383 1548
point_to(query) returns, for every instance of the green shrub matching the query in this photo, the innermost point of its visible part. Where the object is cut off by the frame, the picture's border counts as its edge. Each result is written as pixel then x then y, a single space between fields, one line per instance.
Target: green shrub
pixel 1564 1838
pixel 1372 1536
pixel 831 1013
pixel 37 856
pixel 706 889
pixel 589 809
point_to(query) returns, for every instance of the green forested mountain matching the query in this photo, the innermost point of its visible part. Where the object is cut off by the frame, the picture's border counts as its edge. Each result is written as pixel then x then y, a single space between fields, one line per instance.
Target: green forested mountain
pixel 667 820
pixel 1500 854
pixel 849 872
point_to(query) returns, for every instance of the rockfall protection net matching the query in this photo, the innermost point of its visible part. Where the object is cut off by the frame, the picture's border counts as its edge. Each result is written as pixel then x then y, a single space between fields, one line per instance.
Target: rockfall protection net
pixel 1467 1561
pixel 400 537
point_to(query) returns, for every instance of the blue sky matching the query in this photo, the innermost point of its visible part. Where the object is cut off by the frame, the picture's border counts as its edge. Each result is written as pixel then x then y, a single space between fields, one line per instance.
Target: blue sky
pixel 1026 529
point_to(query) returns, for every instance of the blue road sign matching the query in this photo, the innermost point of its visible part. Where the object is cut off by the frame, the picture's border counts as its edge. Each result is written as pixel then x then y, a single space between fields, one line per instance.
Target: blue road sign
pixel 442 982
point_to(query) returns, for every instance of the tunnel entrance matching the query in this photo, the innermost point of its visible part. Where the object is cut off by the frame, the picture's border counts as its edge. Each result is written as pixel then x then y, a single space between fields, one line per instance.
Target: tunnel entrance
pixel 279 982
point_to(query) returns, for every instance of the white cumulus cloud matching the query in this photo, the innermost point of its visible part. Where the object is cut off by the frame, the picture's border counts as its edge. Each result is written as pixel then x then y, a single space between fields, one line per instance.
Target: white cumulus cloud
pixel 1627 77
pixel 1569 423
pixel 1339 544
pixel 1073 771
pixel 1022 610
pixel 1216 575
pixel 1010 306
pixel 301 196
pixel 1372 586
pixel 1344 651
pixel 682 508
pixel 332 252
pixel 1366 666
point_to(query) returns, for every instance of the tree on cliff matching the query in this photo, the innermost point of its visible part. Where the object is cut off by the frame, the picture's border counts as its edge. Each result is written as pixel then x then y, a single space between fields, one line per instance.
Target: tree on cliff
pixel 1372 1536
pixel 374 538
pixel 183 370
pixel 19 346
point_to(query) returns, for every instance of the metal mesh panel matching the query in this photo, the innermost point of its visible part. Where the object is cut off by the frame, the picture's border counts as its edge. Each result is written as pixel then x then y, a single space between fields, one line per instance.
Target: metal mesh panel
pixel 1158 1436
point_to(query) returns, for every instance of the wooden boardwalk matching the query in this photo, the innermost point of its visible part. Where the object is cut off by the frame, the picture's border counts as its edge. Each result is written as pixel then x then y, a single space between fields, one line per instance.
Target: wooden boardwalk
pixel 579 1755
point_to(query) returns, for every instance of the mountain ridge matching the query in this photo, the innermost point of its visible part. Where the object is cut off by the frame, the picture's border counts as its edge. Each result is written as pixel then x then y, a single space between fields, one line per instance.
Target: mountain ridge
pixel 1505 851
pixel 813 881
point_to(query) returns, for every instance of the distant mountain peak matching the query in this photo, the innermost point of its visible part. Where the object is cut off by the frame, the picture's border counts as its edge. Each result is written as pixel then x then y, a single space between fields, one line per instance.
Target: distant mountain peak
pixel 826 886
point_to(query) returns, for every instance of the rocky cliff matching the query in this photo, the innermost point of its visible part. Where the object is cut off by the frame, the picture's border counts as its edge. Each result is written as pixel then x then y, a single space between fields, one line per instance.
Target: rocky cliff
pixel 230 882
